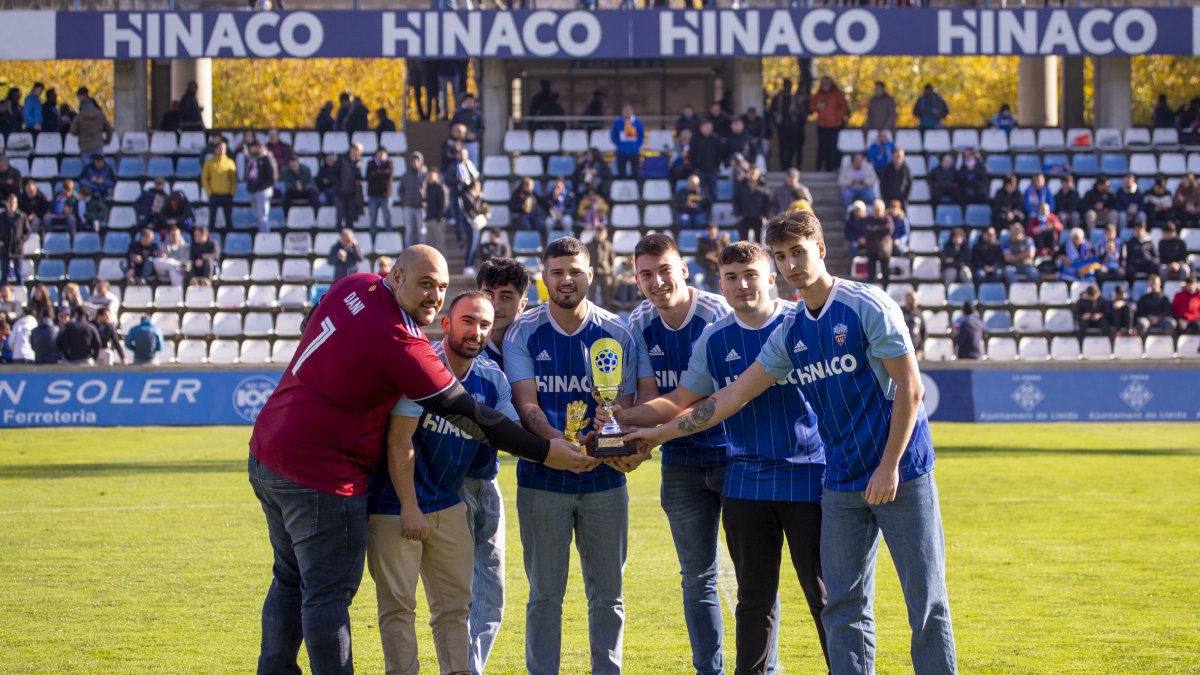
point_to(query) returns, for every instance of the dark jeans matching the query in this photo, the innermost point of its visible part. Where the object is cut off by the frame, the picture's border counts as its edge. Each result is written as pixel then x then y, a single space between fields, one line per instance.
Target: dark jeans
pixel 827 153
pixel 878 266
pixel 628 166
pixel 5 264
pixel 754 532
pixel 293 197
pixel 746 226
pixel 791 146
pixel 346 208
pixel 320 543
pixel 223 202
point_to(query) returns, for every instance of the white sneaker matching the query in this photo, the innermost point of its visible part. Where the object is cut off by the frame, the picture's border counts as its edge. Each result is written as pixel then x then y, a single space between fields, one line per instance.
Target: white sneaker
pixel 469 271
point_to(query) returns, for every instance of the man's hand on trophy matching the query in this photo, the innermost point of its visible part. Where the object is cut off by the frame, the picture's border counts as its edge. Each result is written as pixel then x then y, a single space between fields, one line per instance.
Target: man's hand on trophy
pixel 630 462
pixel 567 456
pixel 602 417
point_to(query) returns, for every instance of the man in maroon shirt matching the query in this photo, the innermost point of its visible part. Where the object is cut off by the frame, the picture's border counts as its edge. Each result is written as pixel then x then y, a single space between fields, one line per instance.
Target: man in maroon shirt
pixel 321 434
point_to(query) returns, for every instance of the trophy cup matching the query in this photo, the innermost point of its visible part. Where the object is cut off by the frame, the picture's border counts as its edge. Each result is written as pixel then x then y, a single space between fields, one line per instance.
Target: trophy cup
pixel 604 367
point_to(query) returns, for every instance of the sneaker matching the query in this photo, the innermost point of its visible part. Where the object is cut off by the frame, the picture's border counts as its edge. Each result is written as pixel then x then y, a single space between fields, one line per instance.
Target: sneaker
pixel 469 271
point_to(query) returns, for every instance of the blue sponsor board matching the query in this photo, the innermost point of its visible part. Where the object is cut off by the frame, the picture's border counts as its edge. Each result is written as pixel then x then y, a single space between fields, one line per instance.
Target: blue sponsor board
pixel 141 398
pixel 1086 395
pixel 948 395
pixel 544 34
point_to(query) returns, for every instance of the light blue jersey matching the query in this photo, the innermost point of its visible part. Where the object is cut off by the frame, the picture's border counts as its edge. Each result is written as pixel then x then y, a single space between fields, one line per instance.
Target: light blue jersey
pixel 664 352
pixel 444 454
pixel 775 452
pixel 836 358
pixel 536 348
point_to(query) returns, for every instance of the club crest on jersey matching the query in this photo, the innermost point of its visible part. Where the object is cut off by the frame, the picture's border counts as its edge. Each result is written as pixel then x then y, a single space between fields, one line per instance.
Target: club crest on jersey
pixel 656 351
pixel 839 334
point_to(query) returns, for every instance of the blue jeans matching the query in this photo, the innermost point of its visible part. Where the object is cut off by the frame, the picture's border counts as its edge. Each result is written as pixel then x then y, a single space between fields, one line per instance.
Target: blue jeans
pixel 1013 273
pixel 320 543
pixel 599 522
pixel 260 204
pixel 850 194
pixel 692 221
pixel 629 166
pixel 7 263
pixel 374 206
pixel 912 525
pixel 485 517
pixel 691 498
pixel 413 220
pixel 708 181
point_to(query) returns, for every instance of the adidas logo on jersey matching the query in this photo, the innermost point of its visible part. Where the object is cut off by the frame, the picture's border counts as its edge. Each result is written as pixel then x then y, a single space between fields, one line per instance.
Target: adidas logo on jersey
pixel 656 351
pixel 732 356
pixel 544 356
pixel 800 347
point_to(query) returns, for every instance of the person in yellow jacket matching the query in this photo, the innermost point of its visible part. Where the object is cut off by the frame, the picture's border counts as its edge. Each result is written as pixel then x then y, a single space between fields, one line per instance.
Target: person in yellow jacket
pixel 219 180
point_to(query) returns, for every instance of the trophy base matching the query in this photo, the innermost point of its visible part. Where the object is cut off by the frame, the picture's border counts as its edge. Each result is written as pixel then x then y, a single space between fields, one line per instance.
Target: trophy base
pixel 610 445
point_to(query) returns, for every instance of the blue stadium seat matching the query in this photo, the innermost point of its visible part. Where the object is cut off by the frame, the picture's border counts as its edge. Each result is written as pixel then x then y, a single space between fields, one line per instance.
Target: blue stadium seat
pixel 131 167
pixel 998 322
pixel 86 243
pixel 116 243
pixel 560 165
pixel 527 242
pixel 1085 164
pixel 656 167
pixel 243 218
pixel 957 294
pixel 81 269
pixel 316 293
pixel 237 244
pixel 1027 165
pixel 999 165
pixel 1139 289
pixel 688 241
pixel 1114 165
pixel 241 195
pixel 70 167
pixel 724 190
pixel 56 243
pixel 160 167
pixel 1056 164
pixel 51 270
pixel 1109 289
pixel 948 215
pixel 993 294
pixel 188 168
pixel 978 215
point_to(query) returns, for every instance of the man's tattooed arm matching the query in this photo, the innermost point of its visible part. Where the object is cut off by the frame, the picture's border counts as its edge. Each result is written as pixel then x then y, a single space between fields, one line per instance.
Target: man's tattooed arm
pixel 699 419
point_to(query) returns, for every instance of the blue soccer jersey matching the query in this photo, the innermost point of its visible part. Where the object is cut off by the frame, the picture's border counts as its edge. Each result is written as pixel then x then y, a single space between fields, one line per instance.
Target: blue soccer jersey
pixel 775 452
pixel 664 352
pixel 444 454
pixel 536 348
pixel 836 358
pixel 494 353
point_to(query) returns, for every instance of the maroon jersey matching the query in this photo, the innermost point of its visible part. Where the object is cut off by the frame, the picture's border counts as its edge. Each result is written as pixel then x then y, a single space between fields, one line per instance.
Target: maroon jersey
pixel 324 425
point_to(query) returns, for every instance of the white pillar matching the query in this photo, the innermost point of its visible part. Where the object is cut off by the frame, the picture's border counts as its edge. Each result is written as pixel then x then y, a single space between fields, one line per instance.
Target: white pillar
pixel 1037 91
pixel 494 97
pixel 199 70
pixel 747 85
pixel 1113 98
pixel 130 107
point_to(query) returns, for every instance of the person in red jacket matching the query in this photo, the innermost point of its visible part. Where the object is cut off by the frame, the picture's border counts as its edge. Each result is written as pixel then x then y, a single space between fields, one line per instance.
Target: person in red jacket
pixel 1186 306
pixel 831 109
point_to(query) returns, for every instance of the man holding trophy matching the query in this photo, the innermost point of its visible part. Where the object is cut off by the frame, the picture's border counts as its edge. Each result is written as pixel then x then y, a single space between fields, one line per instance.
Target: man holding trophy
pixel 555 365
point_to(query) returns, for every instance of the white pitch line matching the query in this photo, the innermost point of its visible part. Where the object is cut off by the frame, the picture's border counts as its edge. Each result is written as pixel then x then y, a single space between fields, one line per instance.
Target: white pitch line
pixel 143 507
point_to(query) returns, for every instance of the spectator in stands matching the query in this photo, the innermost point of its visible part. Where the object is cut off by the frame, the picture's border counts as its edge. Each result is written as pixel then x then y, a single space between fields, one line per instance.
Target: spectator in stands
pixel 785 194
pixel 71 297
pixel 880 152
pixel 260 183
pixel 1008 205
pixel 628 135
pixel 594 108
pixel 540 99
pixel 881 110
pixel 98 176
pixel 1158 203
pixel 877 242
pixel 219 180
pixel 592 211
pixel 691 204
pixel 411 195
pixel 33 204
pixel 1173 254
pixel 9 308
pixel 10 178
pixel 1091 314
pixel 751 205
pixel 1121 312
pixel 472 121
pixel 92 209
pixel 150 203
pixel 687 120
pixel 705 154
pixel 170 119
pixel 1099 205
pixel 145 340
pixel 437 209
pixel 1141 254
pixel 51 121
pixel 298 185
pixel 281 152
pixel 1067 203
pixel 1045 229
pixel 1036 194
pixel 32 109
pixel 347 196
pixel 789 115
pixel 1110 253
pixel 987 258
pixel 720 120
pixel 451 147
pixel 1186 307
pixel 708 251
pixel 1153 315
pixel 325 121
pixel 92 128
pixel 856 226
pixel 475 214
pixel 1163 116
pixel 102 297
pixel 914 320
pixel 943 181
pixel 465 175
pixel 967 333
pixel 1187 202
pixel 191 113
pixel 1003 120
pixel 79 341
pixel 358 119
pixel 604 259
pixel 345 255
pixel 1128 202
pixel 902 228
pixel 857 181
pixel 558 206
pixel 383 265
pixel 175 260
pixel 44 340
pixel 205 255
pixel 930 109
pixel 20 341
pixel 111 349
pixel 831 109
pixel 383 123
pixel 895 179
pixel 493 243
pixel 592 173
pixel 1076 260
pixel 973 180
pixel 756 127
pixel 523 208
pixel 62 214
pixel 1019 254
pixel 139 260
pixel 39 303
pixel 740 142
pixel 327 179
pixel 343 111
pixel 1189 122
pixel 11 118
pixel 14 231
pixel 379 191
pixel 554 109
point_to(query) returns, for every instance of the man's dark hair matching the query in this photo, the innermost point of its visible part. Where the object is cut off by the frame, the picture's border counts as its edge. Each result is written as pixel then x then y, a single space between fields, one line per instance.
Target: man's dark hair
pixel 499 272
pixel 464 296
pixel 79 313
pixel 565 247
pixel 1169 226
pixel 82 91
pixel 742 252
pixel 655 244
pixel 793 225
pixel 101 312
pixel 968 308
pixel 1191 279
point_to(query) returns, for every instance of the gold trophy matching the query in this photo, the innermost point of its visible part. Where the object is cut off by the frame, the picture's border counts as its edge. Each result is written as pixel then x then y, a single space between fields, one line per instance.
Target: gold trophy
pixel 604 366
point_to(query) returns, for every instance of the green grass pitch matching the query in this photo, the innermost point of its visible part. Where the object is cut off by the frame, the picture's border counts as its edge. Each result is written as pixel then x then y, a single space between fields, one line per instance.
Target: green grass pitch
pixel 1071 549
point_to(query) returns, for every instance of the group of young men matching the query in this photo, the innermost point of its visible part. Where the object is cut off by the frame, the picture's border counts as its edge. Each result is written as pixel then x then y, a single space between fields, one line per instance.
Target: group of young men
pixel 788 421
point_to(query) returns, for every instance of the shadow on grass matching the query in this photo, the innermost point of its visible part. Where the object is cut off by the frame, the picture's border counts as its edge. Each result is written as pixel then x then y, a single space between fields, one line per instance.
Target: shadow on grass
pixel 32 471
pixel 943 450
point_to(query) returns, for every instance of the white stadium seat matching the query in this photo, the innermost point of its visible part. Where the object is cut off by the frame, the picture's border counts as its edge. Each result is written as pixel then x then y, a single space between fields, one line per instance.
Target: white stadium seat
pixel 223 351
